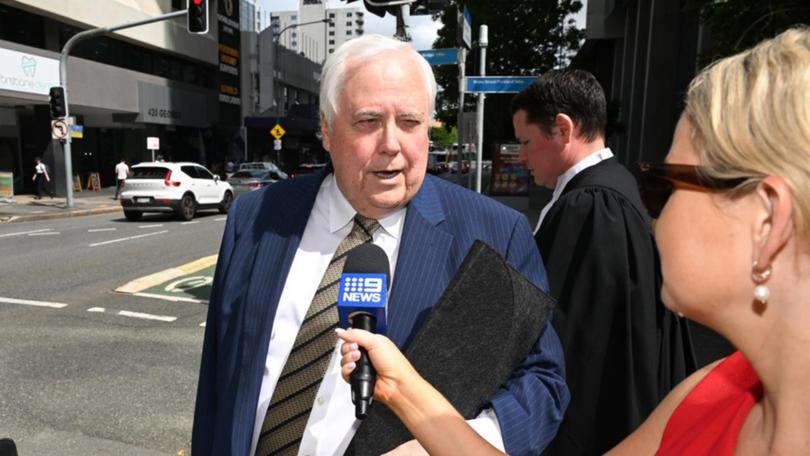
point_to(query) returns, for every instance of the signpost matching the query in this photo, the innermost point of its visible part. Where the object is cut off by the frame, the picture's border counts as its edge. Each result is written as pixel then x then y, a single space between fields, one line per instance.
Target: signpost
pixel 59 129
pixel 278 131
pixel 437 57
pixel 497 84
pixel 153 144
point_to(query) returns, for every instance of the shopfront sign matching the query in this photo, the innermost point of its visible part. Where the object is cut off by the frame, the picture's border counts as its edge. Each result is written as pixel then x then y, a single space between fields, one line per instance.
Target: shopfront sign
pixel 30 73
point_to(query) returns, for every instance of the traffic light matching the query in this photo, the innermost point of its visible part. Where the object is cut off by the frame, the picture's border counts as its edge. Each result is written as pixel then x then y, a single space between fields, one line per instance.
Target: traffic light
pixel 57 95
pixel 198 16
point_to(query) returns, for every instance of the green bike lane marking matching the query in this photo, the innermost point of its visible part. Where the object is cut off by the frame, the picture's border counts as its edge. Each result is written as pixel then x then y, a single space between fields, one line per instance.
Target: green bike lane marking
pixel 190 282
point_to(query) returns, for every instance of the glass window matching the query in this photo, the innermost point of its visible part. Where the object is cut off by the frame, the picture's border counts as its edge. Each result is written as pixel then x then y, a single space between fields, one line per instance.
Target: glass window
pixel 149 172
pixel 190 171
pixel 331 33
pixel 203 173
pixel 348 14
pixel 331 15
pixel 348 32
pixel 294 17
pixel 331 41
pixel 349 24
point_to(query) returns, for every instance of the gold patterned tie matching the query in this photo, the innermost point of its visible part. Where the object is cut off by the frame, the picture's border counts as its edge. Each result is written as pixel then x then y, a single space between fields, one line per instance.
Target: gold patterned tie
pixel 289 408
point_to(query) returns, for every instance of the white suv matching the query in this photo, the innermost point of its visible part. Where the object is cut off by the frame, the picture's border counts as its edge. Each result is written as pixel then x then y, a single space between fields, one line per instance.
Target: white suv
pixel 182 188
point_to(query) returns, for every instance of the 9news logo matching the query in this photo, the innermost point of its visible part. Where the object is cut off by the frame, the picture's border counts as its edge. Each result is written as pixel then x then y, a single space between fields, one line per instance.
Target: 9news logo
pixel 358 288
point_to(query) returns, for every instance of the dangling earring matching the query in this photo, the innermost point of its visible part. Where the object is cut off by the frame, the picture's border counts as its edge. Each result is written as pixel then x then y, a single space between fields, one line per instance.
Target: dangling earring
pixel 761 291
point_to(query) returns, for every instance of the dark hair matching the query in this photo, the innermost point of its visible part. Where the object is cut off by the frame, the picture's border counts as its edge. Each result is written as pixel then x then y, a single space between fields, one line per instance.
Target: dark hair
pixel 575 93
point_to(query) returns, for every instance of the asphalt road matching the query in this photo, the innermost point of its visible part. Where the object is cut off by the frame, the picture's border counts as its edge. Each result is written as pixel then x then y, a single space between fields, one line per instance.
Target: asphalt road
pixel 85 370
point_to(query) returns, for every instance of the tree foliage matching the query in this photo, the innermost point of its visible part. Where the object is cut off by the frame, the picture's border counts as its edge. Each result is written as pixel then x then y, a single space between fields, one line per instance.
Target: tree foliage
pixel 526 37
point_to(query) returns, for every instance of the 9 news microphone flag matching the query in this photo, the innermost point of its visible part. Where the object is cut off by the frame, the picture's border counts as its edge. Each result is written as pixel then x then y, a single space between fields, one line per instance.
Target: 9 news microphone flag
pixel 479 331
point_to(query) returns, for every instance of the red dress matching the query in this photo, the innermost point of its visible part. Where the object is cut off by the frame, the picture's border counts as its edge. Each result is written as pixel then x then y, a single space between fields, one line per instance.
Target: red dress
pixel 709 418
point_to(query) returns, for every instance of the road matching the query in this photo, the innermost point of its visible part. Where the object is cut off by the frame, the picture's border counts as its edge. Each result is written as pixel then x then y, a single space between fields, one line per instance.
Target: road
pixel 86 370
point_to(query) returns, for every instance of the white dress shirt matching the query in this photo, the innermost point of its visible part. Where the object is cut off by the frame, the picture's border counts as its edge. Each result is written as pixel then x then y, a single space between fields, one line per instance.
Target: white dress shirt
pixel 565 178
pixel 331 425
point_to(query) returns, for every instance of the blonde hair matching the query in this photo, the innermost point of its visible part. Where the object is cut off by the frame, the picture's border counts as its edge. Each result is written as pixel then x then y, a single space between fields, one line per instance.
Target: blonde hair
pixel 751 117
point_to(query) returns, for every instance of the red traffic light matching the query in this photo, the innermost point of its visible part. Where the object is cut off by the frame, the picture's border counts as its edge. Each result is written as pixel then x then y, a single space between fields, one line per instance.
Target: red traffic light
pixel 198 16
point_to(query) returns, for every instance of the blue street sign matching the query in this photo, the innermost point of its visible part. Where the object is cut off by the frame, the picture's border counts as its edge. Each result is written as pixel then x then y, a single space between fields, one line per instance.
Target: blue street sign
pixel 497 84
pixel 467 28
pixel 441 56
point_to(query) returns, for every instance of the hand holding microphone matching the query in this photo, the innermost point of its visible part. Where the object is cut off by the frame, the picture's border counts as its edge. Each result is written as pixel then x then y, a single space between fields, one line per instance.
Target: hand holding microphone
pixel 392 368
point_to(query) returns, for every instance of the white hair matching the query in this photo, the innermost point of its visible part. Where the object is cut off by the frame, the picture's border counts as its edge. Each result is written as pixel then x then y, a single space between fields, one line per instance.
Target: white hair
pixel 358 51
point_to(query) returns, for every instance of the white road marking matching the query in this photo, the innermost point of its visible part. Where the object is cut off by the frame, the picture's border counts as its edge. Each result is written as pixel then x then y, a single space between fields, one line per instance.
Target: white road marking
pixel 128 238
pixel 170 298
pixel 151 226
pixel 27 302
pixel 25 232
pixel 46 233
pixel 145 316
pixel 96 309
pixel 98 230
pixel 190 223
pixel 220 219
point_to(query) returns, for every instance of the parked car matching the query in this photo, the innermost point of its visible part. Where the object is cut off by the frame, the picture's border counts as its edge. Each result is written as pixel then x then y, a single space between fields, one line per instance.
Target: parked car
pixel 182 188
pixel 263 166
pixel 248 180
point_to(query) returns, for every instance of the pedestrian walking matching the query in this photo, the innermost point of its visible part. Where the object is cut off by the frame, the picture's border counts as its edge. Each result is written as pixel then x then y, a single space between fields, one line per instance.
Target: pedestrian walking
pixel 121 172
pixel 41 177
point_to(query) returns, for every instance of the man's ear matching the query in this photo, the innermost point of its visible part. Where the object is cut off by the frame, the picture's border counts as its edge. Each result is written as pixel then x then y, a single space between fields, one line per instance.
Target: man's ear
pixel 326 141
pixel 565 126
pixel 773 227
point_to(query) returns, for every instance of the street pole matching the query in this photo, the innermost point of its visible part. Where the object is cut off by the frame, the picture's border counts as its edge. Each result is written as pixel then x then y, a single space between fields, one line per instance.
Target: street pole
pixel 64 83
pixel 483 41
pixel 462 59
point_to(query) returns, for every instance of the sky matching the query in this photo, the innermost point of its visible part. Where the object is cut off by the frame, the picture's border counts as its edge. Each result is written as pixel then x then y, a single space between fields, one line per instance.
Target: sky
pixel 423 29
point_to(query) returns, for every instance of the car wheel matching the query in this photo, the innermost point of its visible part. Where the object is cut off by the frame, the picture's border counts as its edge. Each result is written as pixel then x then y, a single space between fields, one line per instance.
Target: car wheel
pixel 133 215
pixel 226 203
pixel 188 207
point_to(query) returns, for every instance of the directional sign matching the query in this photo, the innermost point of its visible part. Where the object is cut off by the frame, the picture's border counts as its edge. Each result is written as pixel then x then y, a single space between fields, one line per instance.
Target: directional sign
pixel 277 131
pixel 441 56
pixel 59 129
pixel 497 84
pixel 466 34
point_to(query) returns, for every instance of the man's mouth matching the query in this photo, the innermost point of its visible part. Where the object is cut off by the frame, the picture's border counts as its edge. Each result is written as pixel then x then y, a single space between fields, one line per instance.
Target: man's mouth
pixel 387 174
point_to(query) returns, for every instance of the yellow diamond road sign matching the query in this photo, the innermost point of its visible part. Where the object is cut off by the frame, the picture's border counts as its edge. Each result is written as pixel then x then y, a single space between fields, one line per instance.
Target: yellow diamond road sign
pixel 277 131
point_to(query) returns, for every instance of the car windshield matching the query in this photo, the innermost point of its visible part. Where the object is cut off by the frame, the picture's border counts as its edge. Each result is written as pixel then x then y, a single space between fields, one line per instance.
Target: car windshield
pixel 248 174
pixel 149 172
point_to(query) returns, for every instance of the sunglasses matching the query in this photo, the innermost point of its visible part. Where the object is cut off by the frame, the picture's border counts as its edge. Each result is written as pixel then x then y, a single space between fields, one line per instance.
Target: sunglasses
pixel 657 182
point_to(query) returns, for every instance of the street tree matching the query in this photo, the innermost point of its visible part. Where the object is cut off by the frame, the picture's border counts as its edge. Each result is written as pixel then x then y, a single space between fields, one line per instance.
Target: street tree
pixel 526 37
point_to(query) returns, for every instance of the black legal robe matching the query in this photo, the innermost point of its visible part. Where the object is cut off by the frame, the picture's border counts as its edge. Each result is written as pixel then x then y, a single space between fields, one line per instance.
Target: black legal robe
pixel 624 351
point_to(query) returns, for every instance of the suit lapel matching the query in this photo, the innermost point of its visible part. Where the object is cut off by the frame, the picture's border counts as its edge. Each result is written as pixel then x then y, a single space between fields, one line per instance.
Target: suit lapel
pixel 421 264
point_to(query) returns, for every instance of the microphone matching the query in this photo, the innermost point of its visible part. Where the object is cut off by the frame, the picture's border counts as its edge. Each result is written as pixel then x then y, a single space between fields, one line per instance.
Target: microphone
pixel 361 304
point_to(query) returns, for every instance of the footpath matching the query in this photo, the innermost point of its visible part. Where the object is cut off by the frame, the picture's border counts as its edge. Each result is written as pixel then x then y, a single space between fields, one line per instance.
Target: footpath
pixel 25 208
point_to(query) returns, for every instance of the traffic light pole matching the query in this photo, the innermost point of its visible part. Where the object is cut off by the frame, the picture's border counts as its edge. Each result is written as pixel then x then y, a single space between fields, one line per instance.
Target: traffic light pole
pixel 63 82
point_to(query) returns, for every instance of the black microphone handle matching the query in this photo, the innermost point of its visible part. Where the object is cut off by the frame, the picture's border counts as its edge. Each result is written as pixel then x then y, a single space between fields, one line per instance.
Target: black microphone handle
pixel 364 376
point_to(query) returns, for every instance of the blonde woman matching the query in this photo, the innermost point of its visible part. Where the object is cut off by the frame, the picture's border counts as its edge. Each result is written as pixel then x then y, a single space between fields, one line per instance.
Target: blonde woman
pixel 733 207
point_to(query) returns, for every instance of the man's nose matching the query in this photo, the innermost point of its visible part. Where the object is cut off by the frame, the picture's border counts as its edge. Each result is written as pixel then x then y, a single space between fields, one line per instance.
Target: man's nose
pixel 389 143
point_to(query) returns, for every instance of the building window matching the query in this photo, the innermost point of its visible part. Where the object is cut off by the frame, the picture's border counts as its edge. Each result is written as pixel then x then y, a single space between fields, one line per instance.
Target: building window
pixel 331 33
pixel 331 15
pixel 331 51
pixel 294 44
pixel 349 24
pixel 294 17
pixel 348 32
pixel 294 35
pixel 348 14
pixel 332 42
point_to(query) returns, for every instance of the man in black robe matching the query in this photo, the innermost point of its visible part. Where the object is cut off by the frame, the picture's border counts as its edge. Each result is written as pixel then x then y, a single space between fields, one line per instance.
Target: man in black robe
pixel 623 350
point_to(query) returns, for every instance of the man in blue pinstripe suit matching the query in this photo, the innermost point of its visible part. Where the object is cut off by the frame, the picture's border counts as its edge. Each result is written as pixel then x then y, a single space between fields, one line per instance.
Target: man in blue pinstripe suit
pixel 376 101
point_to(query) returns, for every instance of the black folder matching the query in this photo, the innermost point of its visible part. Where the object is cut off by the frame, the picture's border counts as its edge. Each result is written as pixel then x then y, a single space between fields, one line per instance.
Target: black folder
pixel 480 330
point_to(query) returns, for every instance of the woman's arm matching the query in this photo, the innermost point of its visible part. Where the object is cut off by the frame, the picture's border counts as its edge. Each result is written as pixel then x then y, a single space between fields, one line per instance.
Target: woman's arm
pixel 425 412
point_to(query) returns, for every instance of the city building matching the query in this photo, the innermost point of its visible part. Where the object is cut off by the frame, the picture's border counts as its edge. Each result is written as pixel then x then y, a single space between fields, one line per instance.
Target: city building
pixel 304 31
pixel 155 80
